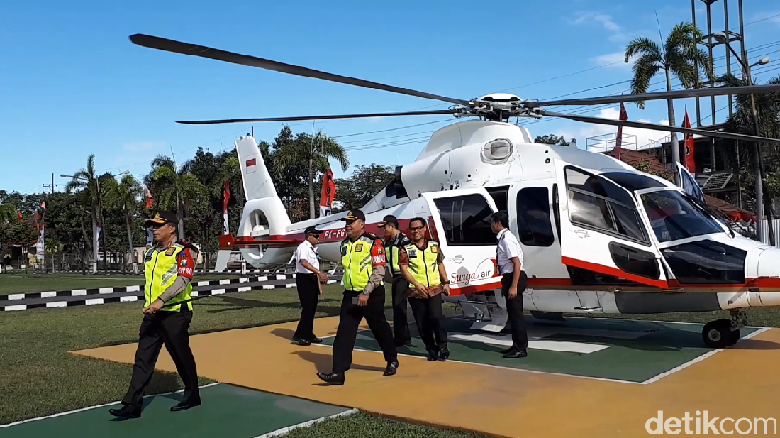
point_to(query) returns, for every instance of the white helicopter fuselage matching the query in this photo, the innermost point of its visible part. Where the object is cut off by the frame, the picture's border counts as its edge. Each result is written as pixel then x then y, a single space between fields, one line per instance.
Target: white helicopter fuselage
pixel 597 235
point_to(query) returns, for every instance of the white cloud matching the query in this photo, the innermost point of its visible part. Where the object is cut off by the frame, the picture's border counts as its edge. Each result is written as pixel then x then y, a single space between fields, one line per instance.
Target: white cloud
pixel 142 145
pixel 616 59
pixel 617 33
pixel 633 138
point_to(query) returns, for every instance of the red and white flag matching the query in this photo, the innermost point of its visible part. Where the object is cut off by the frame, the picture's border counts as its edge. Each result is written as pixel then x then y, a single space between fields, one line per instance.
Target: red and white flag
pixel 328 193
pixel 225 200
pixel 690 163
pixel 619 138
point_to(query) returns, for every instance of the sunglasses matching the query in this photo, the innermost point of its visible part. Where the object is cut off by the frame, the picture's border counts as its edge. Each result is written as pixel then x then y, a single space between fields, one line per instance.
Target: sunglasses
pixel 416 228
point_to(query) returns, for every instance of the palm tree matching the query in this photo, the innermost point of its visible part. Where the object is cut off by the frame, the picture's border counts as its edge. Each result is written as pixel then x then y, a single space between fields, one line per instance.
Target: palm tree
pixel 86 179
pixel 175 189
pixel 315 151
pixel 124 196
pixel 7 213
pixel 680 57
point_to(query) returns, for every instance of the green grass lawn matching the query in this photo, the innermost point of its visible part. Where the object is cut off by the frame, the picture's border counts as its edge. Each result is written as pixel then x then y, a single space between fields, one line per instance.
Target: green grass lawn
pixel 26 283
pixel 38 377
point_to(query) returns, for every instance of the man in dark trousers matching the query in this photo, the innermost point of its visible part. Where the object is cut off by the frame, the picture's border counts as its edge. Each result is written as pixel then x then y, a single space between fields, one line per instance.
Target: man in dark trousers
pixel 169 269
pixel 394 240
pixel 308 280
pixel 363 259
pixel 509 259
pixel 422 263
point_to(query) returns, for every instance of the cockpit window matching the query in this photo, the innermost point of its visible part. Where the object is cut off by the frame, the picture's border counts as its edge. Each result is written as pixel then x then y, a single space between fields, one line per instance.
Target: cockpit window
pixel 633 181
pixel 673 216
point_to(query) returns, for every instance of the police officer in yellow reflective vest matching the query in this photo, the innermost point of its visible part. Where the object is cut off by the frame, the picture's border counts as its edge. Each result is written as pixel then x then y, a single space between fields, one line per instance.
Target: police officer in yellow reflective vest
pixel 422 263
pixel 394 240
pixel 363 260
pixel 169 269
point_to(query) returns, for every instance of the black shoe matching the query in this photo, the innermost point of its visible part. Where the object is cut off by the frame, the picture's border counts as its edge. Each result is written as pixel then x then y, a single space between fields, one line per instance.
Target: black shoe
pixel 508 350
pixel 444 354
pixel 303 342
pixel 516 354
pixel 126 411
pixel 316 340
pixel 332 378
pixel 392 367
pixel 433 355
pixel 186 404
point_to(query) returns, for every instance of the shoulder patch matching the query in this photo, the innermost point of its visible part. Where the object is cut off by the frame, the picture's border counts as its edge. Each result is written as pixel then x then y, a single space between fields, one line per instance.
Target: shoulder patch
pixel 170 251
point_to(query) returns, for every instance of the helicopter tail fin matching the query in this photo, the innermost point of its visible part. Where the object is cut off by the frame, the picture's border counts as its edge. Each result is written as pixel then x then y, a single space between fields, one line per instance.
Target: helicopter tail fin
pixel 260 192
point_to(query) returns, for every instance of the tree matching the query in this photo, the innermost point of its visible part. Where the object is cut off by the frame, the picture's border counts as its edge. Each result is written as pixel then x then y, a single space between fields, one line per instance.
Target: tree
pixel 124 196
pixel 86 180
pixel 363 185
pixel 554 140
pixel 679 56
pixel 177 190
pixel 311 151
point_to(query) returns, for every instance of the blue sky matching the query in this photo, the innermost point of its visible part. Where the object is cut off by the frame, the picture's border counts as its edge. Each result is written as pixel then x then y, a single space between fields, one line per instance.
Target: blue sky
pixel 71 83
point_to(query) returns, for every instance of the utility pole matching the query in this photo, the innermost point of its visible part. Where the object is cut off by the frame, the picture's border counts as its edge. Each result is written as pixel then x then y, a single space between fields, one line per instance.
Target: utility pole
pixel 43 225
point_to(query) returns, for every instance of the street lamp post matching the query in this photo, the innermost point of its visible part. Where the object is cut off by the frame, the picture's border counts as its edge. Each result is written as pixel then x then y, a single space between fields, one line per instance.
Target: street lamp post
pixel 758 161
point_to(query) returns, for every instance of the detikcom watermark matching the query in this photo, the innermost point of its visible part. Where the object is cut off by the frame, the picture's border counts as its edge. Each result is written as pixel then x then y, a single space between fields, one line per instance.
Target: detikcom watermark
pixel 702 423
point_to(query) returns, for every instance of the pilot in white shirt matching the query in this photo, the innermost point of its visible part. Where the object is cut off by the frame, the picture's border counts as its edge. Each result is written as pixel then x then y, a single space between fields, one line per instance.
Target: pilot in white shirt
pixel 307 280
pixel 509 260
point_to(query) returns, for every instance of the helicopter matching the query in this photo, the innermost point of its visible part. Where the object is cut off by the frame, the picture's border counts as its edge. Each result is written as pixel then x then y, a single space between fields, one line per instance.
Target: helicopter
pixel 598 235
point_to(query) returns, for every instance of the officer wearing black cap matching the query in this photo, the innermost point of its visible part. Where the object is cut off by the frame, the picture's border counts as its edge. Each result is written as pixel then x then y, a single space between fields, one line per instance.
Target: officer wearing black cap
pixel 169 269
pixel 394 240
pixel 363 259
pixel 308 280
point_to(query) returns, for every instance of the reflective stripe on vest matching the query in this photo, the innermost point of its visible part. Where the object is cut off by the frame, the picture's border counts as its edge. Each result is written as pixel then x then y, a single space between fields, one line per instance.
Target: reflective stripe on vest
pixel 161 270
pixel 423 264
pixel 357 263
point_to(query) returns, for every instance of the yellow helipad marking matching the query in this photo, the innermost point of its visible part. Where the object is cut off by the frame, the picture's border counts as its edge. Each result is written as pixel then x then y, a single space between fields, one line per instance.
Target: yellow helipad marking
pixel 738 382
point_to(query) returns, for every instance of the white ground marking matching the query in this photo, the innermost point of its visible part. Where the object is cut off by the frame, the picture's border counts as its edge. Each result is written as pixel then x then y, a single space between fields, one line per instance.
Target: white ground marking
pixel 16 423
pixel 698 359
pixel 506 341
pixel 288 429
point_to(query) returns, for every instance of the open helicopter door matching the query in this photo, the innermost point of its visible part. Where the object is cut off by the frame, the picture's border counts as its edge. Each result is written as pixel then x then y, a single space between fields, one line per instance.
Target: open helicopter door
pixel 602 231
pixel 461 224
pixel 689 184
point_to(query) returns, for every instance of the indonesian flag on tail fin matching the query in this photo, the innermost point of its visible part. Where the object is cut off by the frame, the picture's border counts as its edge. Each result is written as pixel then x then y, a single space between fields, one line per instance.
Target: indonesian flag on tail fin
pixel 690 163
pixel 619 138
pixel 328 193
pixel 225 200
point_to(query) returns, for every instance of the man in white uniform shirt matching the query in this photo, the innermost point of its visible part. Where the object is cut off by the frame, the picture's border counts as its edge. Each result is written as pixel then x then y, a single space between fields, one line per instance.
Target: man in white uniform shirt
pixel 307 280
pixel 509 261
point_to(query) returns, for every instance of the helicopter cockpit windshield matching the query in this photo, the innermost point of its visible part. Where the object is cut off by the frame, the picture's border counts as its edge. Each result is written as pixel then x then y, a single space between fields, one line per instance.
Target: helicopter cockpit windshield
pixel 673 216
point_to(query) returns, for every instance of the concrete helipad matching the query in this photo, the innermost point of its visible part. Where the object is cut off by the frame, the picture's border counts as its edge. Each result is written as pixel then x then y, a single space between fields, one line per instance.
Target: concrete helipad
pixel 584 377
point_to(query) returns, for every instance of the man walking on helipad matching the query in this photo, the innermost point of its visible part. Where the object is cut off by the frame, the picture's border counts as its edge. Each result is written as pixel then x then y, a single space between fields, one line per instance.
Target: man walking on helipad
pixel 363 259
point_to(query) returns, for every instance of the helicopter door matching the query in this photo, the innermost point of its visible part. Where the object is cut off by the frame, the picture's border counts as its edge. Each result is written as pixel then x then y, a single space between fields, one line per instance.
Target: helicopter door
pixel 689 184
pixel 462 224
pixel 602 232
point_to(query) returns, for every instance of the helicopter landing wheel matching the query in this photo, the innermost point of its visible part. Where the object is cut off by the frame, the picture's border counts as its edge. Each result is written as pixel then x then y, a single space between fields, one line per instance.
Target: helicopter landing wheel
pixel 718 334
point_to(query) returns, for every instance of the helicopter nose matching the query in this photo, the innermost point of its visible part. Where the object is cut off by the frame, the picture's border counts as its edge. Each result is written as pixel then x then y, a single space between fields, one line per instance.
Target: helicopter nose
pixel 767 278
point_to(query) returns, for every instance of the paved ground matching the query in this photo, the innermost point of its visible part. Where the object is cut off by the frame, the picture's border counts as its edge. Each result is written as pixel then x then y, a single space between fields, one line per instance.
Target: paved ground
pixel 601 376
pixel 228 412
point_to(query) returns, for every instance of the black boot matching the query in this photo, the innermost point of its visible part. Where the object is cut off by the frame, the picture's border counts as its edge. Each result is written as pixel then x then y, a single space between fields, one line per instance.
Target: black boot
pixel 126 411
pixel 433 355
pixel 186 404
pixel 392 367
pixel 332 378
pixel 444 353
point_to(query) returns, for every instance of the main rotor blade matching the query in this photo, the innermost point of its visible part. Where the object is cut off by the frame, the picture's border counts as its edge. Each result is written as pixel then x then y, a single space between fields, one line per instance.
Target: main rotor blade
pixel 680 94
pixel 158 43
pixel 295 118
pixel 666 128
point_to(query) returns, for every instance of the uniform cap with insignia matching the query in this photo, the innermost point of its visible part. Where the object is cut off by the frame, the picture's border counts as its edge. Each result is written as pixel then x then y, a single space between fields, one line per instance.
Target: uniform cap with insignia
pixel 162 218
pixel 354 215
